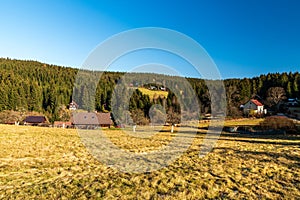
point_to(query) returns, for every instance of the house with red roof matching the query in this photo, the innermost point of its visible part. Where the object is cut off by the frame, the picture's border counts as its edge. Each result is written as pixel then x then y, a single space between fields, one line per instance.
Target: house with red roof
pixel 61 124
pixel 253 107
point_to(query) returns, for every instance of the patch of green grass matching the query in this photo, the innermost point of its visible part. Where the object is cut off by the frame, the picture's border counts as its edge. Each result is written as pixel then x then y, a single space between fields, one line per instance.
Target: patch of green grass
pixel 52 163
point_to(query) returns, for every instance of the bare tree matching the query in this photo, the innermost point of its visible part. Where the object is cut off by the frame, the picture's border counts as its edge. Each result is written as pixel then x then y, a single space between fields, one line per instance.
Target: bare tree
pixel 275 95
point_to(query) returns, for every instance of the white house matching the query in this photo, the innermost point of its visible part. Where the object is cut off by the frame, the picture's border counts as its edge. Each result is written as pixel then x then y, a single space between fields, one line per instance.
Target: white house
pixel 73 105
pixel 253 107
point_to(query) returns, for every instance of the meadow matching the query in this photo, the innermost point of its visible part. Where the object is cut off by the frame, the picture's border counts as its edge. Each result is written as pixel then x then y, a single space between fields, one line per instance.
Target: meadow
pixel 153 93
pixel 52 163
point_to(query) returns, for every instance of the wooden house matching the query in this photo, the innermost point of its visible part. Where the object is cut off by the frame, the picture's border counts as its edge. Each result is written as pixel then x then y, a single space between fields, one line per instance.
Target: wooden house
pixel 253 107
pixel 89 120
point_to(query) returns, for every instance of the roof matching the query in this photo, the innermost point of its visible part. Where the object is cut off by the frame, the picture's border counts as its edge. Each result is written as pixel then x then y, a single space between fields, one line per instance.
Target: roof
pixel 104 118
pixel 292 100
pixel 57 123
pixel 256 102
pixel 35 119
pixel 84 118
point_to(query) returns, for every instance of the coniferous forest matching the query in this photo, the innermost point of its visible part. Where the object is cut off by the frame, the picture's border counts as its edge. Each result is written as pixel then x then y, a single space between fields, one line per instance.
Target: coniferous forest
pixel 48 89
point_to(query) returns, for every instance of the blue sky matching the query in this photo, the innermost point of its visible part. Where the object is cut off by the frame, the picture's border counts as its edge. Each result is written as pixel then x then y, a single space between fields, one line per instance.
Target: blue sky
pixel 244 38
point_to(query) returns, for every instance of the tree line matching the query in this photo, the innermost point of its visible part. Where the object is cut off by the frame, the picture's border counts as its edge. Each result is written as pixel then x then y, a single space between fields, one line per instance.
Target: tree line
pixel 48 89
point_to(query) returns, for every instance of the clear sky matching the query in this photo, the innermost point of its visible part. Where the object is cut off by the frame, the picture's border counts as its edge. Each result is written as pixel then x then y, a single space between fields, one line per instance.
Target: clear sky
pixel 245 38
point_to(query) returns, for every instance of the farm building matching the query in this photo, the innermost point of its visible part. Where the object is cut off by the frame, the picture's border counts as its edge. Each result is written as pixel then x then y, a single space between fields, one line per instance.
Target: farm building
pixel 104 119
pixel 90 120
pixel 253 107
pixel 34 120
pixel 59 124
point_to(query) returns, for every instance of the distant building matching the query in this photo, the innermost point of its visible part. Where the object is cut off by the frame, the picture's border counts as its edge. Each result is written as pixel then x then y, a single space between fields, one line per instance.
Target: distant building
pixel 254 107
pixel 89 120
pixel 73 106
pixel 162 88
pixel 34 120
pixel 60 124
pixel 292 102
pixel 104 119
pixel 152 87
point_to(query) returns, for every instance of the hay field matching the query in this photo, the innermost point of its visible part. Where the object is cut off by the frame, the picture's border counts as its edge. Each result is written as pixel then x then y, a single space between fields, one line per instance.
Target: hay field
pixel 50 163
pixel 152 93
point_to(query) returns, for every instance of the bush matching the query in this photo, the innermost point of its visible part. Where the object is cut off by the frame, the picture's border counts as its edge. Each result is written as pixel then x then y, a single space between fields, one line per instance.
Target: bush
pixel 138 117
pixel 278 123
pixel 9 116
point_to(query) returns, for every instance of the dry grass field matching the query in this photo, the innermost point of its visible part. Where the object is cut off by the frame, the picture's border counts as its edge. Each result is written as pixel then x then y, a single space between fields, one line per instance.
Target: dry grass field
pixel 51 163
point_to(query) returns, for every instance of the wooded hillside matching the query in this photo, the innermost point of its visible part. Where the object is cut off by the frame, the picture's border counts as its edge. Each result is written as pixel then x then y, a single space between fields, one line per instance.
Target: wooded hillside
pixel 48 89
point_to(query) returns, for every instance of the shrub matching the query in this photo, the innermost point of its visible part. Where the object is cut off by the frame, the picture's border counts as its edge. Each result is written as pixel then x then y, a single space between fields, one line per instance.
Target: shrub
pixel 278 123
pixel 9 116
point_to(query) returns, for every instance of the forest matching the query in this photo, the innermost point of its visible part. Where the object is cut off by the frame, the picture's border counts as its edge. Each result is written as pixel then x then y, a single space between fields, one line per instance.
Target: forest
pixel 32 86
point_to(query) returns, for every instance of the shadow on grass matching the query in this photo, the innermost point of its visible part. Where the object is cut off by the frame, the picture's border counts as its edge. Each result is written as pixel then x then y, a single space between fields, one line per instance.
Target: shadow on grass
pixel 250 138
pixel 241 137
pixel 262 155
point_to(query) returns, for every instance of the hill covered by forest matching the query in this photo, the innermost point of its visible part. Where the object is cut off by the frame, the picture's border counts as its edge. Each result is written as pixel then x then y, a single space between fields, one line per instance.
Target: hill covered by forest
pixel 48 89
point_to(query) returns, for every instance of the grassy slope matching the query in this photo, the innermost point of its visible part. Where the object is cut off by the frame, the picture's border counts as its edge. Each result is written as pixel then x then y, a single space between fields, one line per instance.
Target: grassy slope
pixel 151 93
pixel 53 163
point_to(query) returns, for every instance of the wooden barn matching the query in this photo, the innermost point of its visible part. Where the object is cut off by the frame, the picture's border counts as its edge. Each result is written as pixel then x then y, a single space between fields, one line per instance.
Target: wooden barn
pixel 35 120
pixel 89 120
pixel 104 119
